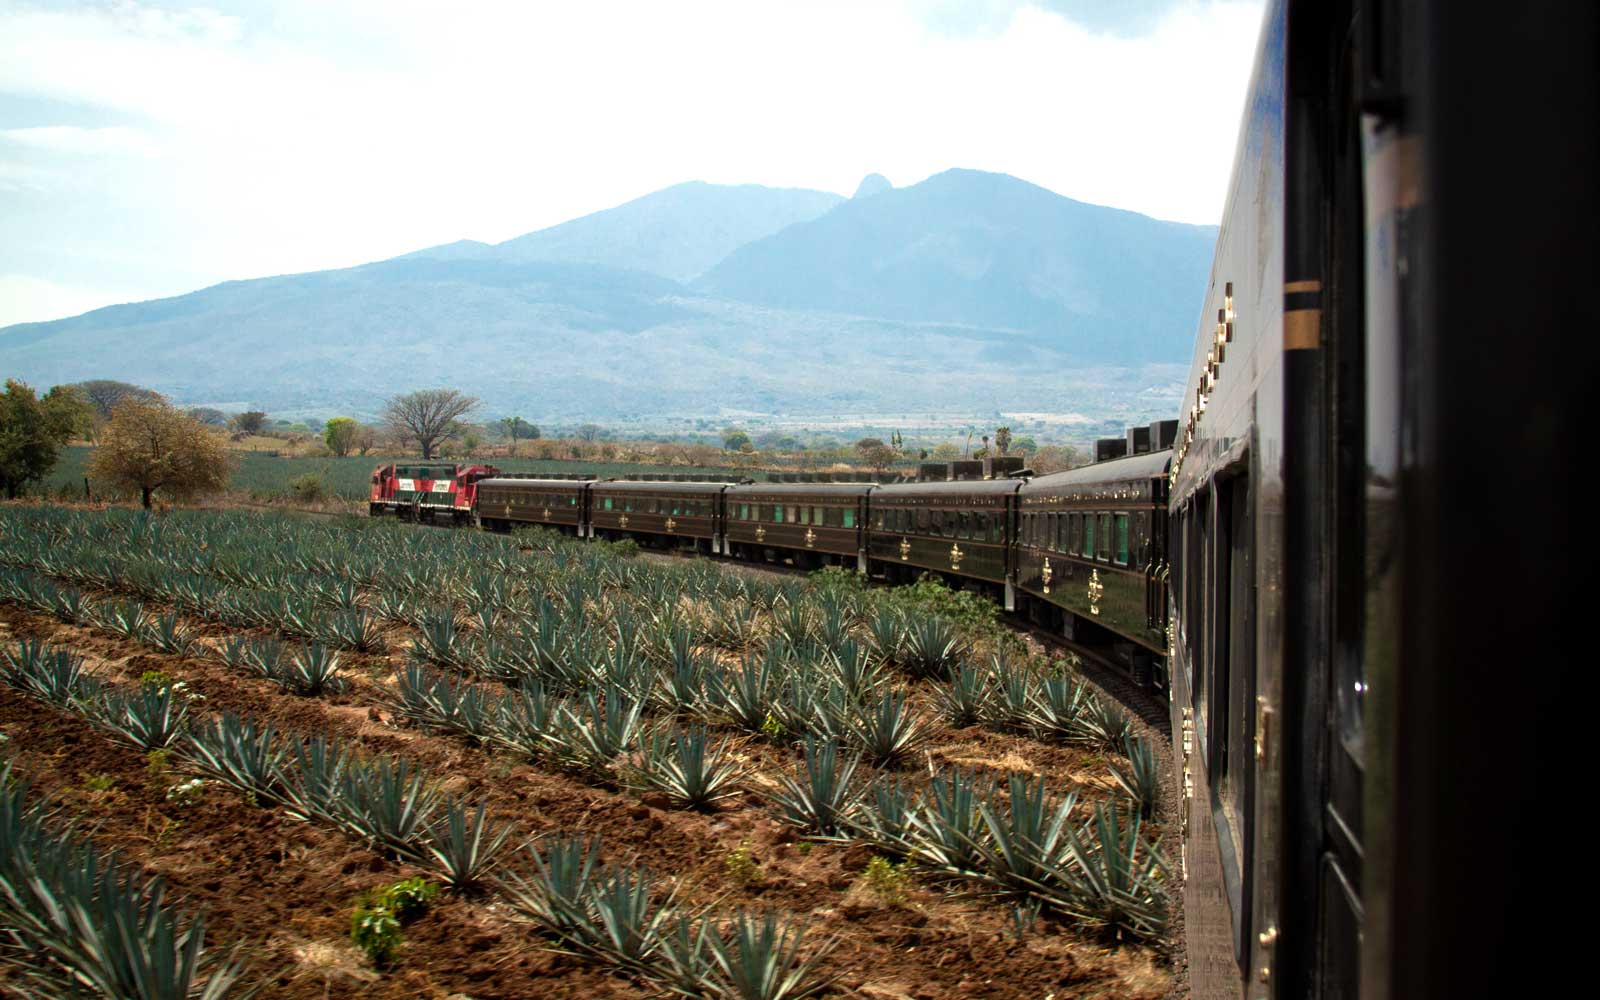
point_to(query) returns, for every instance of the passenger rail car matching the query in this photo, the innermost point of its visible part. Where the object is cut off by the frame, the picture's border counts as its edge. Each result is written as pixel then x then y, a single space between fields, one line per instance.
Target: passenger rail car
pixel 1091 557
pixel 506 503
pixel 683 515
pixel 1391 329
pixel 812 523
pixel 956 529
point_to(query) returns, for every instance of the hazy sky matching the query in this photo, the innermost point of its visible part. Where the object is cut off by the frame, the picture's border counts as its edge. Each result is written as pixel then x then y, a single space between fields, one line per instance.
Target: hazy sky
pixel 151 148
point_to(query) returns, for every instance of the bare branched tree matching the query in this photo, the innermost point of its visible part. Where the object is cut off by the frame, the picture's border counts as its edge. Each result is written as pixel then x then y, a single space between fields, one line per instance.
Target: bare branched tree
pixel 429 415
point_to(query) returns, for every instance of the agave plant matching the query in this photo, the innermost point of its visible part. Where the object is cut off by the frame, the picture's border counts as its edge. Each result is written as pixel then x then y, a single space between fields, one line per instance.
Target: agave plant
pixel 1141 778
pixel 314 783
pixel 1012 706
pixel 238 752
pixel 746 695
pixel 126 618
pixel 356 629
pixel 1058 705
pixel 465 848
pixel 69 605
pixel 1026 851
pixel 54 675
pixel 75 916
pixel 887 817
pixel 964 700
pixel 593 735
pixel 947 828
pixel 557 889
pixel 625 917
pixel 887 731
pixel 824 799
pixel 688 769
pixel 313 670
pixel 440 640
pixel 388 805
pixel 886 632
pixel 1101 724
pixel 931 648
pixel 761 958
pixel 1117 881
pixel 151 719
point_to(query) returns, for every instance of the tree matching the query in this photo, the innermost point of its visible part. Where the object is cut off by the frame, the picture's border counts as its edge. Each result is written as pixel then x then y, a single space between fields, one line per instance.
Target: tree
pixel 340 435
pixel 249 422
pixel 875 453
pixel 104 394
pixel 32 431
pixel 1002 439
pixel 734 439
pixel 1056 458
pixel 149 447
pixel 589 432
pixel 517 429
pixel 1024 445
pixel 365 439
pixel 429 415
pixel 945 451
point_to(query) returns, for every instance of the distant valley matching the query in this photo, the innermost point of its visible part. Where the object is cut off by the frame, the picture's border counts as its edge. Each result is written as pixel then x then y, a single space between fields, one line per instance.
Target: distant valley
pixel 967 293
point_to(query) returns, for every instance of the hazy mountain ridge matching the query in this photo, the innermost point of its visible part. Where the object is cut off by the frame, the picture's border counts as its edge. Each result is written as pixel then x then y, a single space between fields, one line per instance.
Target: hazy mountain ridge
pixel 937 295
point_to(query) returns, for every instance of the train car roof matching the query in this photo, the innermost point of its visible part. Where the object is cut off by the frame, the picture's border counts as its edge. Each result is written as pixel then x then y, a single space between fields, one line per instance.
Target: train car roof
pixel 652 486
pixel 983 487
pixel 519 481
pixel 787 489
pixel 1152 465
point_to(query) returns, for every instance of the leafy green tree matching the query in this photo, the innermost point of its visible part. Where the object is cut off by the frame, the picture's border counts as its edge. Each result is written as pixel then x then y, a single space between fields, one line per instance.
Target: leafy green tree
pixel 1024 446
pixel 248 422
pixel 1002 439
pixel 32 431
pixel 945 451
pixel 518 429
pixel 340 435
pixel 208 416
pixel 149 447
pixel 734 439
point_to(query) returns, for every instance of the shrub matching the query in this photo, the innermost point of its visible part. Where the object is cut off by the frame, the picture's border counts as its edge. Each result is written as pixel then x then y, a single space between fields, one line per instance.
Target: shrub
pixel 309 487
pixel 887 880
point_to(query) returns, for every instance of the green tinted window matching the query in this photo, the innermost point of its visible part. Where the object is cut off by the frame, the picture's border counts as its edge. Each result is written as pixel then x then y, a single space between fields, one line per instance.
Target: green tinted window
pixel 1122 539
pixel 849 517
pixel 1104 551
pixel 1088 536
pixel 744 512
pixel 777 513
pixel 608 503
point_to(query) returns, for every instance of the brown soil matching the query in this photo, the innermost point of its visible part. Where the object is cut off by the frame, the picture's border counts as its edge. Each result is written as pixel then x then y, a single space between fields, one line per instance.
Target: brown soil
pixel 284 889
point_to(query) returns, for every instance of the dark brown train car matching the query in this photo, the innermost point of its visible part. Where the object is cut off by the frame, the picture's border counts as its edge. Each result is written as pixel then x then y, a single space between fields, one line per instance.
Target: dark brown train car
pixel 810 523
pixel 1091 554
pixel 959 529
pixel 672 515
pixel 506 503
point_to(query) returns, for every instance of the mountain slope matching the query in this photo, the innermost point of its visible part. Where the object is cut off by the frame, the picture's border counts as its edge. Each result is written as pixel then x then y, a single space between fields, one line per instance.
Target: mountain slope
pixel 677 233
pixel 986 250
pixel 966 291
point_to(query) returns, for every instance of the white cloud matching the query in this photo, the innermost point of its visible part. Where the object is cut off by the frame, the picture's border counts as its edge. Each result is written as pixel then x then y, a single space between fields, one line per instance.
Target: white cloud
pixel 298 135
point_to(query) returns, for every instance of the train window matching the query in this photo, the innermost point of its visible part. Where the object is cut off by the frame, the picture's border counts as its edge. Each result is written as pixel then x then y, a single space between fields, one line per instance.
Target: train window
pixel 849 517
pixel 1122 540
pixel 1088 535
pixel 1104 552
pixel 608 503
pixel 980 526
pixel 777 513
pixel 794 514
pixel 964 525
pixel 835 516
pixel 744 512
pixel 935 522
pixel 1234 689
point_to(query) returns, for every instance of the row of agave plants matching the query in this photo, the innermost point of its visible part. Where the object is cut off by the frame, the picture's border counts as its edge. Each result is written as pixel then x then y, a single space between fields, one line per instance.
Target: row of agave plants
pixel 619 914
pixel 78 922
pixel 310 669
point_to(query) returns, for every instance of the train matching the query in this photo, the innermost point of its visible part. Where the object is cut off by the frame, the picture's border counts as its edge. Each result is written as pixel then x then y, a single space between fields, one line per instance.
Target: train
pixel 1353 563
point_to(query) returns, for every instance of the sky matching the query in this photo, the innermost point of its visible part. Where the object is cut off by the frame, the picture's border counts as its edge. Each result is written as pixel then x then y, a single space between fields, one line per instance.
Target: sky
pixel 149 149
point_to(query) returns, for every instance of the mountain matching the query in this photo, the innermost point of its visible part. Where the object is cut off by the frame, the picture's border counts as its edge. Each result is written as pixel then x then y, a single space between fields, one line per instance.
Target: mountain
pixel 695 299
pixel 677 232
pixel 986 250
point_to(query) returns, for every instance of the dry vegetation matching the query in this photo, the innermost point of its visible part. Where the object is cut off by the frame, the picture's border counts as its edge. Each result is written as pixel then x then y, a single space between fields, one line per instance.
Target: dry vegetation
pixel 384 762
